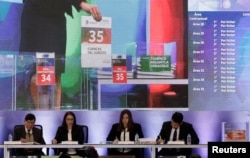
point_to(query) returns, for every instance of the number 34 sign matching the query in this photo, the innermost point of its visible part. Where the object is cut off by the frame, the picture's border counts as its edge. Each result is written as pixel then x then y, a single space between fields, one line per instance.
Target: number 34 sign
pixel 45 67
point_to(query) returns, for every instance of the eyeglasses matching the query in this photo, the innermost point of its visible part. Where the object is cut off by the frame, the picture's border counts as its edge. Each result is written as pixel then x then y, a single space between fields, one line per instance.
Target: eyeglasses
pixel 70 119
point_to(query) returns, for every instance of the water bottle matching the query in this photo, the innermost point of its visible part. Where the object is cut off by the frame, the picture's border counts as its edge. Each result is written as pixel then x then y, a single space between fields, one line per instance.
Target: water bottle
pixel 189 139
pixel 136 138
pixel 10 138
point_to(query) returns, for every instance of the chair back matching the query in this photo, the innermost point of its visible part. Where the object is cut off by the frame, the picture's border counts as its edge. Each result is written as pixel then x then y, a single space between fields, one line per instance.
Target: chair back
pixel 86 133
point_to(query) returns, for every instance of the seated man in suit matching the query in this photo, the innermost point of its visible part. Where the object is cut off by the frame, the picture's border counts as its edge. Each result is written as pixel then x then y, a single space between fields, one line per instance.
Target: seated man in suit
pixel 175 130
pixel 28 133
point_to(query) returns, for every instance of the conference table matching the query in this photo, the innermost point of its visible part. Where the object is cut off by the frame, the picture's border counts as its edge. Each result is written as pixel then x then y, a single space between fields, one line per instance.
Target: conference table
pixel 8 147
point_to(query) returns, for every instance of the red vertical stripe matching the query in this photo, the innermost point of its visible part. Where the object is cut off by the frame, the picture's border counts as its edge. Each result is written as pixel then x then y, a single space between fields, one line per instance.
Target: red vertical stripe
pixel 167 25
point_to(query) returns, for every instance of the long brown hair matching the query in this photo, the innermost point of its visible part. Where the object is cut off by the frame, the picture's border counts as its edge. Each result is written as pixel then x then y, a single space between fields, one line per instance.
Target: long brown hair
pixel 130 120
pixel 65 116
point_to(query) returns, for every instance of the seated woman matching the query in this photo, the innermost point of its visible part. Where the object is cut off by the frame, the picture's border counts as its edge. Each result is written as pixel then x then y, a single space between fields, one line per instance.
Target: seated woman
pixel 125 130
pixel 68 131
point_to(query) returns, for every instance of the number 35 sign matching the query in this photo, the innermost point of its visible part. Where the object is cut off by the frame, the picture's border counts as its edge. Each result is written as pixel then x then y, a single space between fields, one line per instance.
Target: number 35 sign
pixel 119 68
pixel 45 66
pixel 96 42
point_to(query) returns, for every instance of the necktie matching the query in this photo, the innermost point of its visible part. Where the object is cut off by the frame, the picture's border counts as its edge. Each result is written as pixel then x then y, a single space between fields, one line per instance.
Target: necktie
pixel 175 135
pixel 29 134
pixel 29 138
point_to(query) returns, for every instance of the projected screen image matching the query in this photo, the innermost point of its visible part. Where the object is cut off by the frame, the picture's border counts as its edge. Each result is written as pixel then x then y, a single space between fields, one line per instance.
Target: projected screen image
pixel 178 54
pixel 218 54
pixel 155 51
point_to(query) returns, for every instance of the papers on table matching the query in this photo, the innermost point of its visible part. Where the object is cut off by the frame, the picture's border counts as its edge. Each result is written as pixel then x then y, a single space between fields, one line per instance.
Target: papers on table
pixel 12 142
pixel 125 142
pixel 147 141
pixel 69 142
pixel 176 142
pixel 19 142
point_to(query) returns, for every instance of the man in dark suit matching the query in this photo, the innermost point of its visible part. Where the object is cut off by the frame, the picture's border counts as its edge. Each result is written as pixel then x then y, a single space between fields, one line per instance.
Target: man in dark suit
pixel 175 130
pixel 28 134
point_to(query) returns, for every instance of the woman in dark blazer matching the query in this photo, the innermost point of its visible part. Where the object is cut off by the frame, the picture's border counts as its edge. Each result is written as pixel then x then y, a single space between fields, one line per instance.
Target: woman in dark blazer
pixel 68 131
pixel 125 130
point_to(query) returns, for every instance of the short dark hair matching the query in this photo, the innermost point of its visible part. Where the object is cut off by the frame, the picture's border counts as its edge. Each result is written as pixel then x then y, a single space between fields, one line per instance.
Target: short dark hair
pixel 177 117
pixel 30 117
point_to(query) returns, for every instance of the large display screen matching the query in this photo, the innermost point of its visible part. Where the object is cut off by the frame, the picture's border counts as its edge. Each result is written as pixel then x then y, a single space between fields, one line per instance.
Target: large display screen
pixel 218 35
pixel 154 51
pixel 189 55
